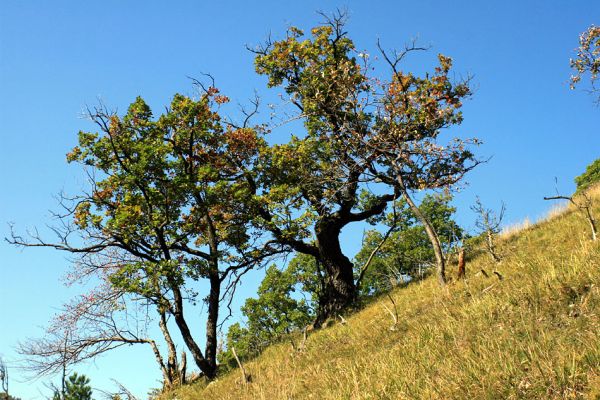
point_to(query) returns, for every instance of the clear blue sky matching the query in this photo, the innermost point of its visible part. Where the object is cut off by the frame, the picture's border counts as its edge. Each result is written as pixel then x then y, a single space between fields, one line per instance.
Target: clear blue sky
pixel 56 57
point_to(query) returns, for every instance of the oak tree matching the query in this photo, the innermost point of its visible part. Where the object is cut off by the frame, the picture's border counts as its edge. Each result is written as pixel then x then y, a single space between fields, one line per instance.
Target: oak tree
pixel 169 197
pixel 359 130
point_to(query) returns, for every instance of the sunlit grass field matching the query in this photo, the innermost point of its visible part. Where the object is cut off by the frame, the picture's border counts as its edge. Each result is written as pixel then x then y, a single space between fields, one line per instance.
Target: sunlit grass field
pixel 532 335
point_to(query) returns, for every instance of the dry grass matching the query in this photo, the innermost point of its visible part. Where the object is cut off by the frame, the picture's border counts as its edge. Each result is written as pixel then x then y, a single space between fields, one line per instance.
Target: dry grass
pixel 532 335
pixel 515 228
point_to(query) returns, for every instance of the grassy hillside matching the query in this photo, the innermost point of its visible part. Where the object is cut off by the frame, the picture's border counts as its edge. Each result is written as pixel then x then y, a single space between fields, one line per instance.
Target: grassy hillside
pixel 533 335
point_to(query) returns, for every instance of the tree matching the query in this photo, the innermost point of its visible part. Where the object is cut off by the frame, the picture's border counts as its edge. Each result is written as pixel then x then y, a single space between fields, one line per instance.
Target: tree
pixel 407 252
pixel 78 388
pixel 489 223
pixel 310 186
pixel 407 153
pixel 4 377
pixel 359 130
pixel 275 313
pixel 588 58
pixel 169 205
pixel 589 178
pixel 101 320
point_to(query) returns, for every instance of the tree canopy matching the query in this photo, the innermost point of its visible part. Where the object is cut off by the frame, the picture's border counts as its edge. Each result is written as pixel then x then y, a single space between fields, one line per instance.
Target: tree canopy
pixel 169 205
pixel 587 61
pixel 180 205
pixel 589 177
pixel 360 129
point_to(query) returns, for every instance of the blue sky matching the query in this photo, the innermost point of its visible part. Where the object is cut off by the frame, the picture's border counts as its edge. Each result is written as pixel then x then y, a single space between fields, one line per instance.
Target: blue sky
pixel 56 57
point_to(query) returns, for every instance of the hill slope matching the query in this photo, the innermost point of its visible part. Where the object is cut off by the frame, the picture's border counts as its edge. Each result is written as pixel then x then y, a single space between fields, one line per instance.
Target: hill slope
pixel 534 334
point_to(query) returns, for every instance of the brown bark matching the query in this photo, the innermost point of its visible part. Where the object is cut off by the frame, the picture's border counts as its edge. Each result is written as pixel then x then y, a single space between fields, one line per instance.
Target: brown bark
pixel 461 264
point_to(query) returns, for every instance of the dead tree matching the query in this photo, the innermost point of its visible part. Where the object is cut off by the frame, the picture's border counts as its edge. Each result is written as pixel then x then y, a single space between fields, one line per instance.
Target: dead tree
pixel 246 378
pixel 460 248
pixel 4 377
pixel 488 223
pixel 584 204
pixel 98 321
pixel 461 264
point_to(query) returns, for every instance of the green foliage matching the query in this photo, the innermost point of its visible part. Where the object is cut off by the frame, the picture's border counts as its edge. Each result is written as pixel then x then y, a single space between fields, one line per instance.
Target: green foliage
pixel 590 177
pixel 309 276
pixel 78 388
pixel 360 129
pixel 166 183
pixel 172 198
pixel 276 312
pixel 307 179
pixel 407 252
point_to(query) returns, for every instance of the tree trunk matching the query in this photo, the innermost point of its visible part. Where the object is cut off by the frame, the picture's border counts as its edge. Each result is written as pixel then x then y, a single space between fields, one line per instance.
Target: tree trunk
pixel 340 290
pixel 212 319
pixel 171 367
pixel 167 378
pixel 492 246
pixel 183 368
pixel 590 218
pixel 433 238
pixel 207 368
pixel 461 264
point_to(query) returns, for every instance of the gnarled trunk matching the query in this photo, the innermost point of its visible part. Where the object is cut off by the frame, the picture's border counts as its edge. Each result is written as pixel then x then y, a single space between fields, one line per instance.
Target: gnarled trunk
pixel 340 289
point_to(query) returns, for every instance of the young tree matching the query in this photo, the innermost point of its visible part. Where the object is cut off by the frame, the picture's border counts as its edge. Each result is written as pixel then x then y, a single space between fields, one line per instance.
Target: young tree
pixel 489 223
pixel 358 130
pixel 588 59
pixel 78 388
pixel 170 196
pixel 407 252
pixel 407 151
